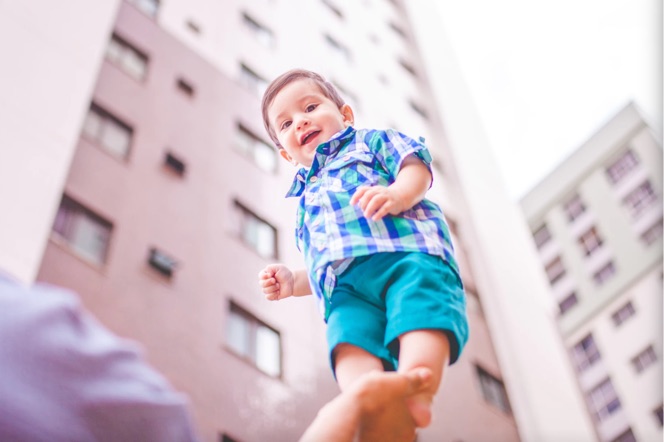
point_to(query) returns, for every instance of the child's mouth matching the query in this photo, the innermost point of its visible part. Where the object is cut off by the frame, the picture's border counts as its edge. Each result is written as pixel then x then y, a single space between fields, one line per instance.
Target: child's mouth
pixel 309 136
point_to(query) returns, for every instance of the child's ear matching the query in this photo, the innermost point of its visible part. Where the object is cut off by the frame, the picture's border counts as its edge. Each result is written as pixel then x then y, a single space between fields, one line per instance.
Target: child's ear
pixel 286 156
pixel 347 113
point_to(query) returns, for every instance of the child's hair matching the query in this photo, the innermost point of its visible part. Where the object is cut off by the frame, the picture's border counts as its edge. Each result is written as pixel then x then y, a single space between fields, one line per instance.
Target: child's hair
pixel 284 80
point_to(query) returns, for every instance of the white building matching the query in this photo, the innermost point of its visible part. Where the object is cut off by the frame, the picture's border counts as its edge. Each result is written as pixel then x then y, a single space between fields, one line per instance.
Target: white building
pixel 597 222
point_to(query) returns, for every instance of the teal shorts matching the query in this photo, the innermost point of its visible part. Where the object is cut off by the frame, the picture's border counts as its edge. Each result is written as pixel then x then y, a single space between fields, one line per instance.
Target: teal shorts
pixel 384 295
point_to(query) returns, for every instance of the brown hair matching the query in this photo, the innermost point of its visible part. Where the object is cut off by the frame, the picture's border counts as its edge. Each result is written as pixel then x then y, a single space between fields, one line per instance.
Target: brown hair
pixel 284 80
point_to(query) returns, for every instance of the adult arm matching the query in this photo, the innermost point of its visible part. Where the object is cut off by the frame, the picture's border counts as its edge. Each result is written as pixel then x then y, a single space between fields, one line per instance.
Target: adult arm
pixel 66 377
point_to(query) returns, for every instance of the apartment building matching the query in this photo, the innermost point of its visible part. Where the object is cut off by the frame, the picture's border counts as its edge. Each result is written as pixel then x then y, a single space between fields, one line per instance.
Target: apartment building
pixel 597 223
pixel 162 198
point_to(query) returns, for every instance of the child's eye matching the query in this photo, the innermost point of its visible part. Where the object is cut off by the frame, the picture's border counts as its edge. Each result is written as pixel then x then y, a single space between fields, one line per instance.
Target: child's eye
pixel 285 125
pixel 311 107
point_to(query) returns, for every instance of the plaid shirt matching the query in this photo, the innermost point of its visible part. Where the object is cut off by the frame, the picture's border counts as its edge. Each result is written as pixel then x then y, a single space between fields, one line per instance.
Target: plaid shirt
pixel 331 232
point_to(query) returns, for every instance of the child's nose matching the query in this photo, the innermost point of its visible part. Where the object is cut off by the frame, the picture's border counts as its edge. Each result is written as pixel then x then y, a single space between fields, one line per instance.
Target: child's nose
pixel 302 122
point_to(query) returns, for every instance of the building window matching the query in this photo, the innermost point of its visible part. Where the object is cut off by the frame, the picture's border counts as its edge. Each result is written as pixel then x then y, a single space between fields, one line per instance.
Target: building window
pixel 622 166
pixel 253 341
pixel 226 438
pixel 493 390
pixel 257 233
pixel 603 400
pixel 585 353
pixel 161 262
pixel 333 8
pixel 644 359
pixel 253 147
pixel 87 233
pixel 149 7
pixel 590 241
pixel 174 164
pixel 419 110
pixel 398 30
pixel 262 34
pixel 566 304
pixel 574 208
pixel 252 80
pixel 193 27
pixel 555 270
pixel 626 436
pixel 542 236
pixel 623 314
pixel 640 198
pixel 408 67
pixel 605 273
pixel 658 415
pixel 338 48
pixel 652 233
pixel 107 131
pixel 127 57
pixel 185 87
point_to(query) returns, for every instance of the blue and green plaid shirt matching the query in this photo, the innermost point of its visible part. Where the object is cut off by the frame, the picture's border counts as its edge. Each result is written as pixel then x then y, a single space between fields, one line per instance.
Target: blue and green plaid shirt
pixel 331 232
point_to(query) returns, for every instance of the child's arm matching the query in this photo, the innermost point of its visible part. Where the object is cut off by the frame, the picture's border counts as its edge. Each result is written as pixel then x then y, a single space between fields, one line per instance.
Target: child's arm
pixel 408 189
pixel 279 282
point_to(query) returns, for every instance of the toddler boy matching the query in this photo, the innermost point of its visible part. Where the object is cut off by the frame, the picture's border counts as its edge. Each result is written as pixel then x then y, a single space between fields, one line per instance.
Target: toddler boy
pixel 378 254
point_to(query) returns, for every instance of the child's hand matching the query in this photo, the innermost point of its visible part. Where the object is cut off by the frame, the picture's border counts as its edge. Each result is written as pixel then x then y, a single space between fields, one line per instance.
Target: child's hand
pixel 276 280
pixel 378 201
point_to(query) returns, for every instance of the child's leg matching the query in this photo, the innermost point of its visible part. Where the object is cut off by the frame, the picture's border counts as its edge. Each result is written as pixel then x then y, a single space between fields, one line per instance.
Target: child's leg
pixel 429 349
pixel 352 362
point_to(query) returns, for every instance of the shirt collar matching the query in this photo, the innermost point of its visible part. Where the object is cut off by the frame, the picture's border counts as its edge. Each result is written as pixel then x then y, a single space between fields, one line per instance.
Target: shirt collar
pixel 330 147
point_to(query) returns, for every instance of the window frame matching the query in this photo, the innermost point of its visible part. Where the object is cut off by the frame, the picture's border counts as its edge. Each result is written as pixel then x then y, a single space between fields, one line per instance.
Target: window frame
pixel 105 121
pixel 590 241
pixel 644 359
pixel 555 263
pixel 255 143
pixel 127 49
pixel 574 208
pixel 542 236
pixel 652 233
pixel 625 312
pixel 622 166
pixel 66 227
pixel 610 403
pixel 252 80
pixel 605 273
pixel 493 390
pixel 568 303
pixel 246 214
pixel 639 199
pixel 585 353
pixel 264 35
pixel 250 353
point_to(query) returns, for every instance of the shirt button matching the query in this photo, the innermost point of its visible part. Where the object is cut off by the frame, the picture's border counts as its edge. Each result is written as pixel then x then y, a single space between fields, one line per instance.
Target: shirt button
pixel 313 179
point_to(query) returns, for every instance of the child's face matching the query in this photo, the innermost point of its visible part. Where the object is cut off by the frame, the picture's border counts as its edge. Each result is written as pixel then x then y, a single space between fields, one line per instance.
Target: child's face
pixel 303 118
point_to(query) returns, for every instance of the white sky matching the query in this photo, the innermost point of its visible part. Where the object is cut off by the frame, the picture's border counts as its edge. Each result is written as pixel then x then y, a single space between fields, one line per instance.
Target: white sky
pixel 546 75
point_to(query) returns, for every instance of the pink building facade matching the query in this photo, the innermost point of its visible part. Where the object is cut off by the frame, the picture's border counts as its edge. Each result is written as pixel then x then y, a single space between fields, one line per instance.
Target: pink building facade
pixel 173 203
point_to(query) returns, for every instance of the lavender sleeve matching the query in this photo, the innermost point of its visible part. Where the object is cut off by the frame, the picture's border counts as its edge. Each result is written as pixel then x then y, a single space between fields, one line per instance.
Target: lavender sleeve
pixel 65 377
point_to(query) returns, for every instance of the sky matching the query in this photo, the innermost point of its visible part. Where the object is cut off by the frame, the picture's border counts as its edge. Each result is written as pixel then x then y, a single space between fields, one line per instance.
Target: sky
pixel 546 75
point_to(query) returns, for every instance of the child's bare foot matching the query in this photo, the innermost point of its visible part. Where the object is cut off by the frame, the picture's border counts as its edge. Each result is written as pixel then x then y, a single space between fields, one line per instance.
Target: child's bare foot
pixel 420 409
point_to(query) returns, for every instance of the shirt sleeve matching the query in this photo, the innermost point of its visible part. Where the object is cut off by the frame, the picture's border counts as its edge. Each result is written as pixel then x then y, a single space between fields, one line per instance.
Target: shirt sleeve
pixel 392 147
pixel 66 377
